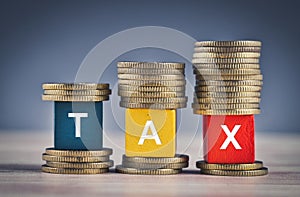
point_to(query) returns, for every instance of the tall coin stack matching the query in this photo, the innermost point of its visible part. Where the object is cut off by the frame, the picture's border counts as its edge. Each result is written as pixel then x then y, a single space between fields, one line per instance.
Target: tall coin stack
pixel 228 84
pixel 78 132
pixel 155 86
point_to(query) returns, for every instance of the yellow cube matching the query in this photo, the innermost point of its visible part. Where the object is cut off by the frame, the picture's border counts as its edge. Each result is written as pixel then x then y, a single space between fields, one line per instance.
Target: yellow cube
pixel 150 133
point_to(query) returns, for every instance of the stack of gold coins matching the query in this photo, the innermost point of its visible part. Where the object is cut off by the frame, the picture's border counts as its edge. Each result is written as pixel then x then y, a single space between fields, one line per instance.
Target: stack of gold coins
pixel 80 92
pixel 155 86
pixel 245 169
pixel 228 82
pixel 152 85
pixel 77 162
pixel 78 129
pixel 228 77
pixel 153 165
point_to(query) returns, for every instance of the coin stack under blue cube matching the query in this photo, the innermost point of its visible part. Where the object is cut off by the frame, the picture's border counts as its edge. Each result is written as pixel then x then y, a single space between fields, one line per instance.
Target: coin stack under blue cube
pixel 78 129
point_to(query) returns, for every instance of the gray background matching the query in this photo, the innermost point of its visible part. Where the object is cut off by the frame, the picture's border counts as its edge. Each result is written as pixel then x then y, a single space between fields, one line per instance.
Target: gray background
pixel 46 41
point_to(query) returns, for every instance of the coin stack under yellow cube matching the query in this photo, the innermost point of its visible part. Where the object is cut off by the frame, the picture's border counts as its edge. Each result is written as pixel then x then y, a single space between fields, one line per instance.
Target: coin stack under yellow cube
pixel 227 94
pixel 151 92
pixel 78 129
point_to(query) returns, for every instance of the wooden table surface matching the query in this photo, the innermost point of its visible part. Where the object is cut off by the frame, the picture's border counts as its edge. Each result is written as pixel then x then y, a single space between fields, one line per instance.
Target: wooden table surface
pixel 20 175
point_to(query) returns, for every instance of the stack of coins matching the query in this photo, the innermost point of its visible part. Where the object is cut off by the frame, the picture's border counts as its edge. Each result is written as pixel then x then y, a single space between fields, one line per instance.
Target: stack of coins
pixel 78 134
pixel 228 82
pixel 155 86
pixel 152 85
pixel 247 169
pixel 228 77
pixel 77 162
pixel 81 92
pixel 153 165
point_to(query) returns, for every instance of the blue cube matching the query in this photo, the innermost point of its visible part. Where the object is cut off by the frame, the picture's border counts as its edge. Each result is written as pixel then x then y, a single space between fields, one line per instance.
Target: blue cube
pixel 78 125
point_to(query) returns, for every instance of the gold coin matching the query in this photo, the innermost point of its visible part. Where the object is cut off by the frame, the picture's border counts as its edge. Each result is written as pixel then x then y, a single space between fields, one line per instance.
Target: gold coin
pixel 225 66
pixel 226 55
pixel 81 159
pixel 225 60
pixel 228 88
pixel 157 160
pixel 227 111
pixel 149 71
pixel 170 83
pixel 213 106
pixel 237 43
pixel 227 71
pixel 151 65
pixel 227 94
pixel 154 165
pixel 105 164
pixel 75 98
pixel 150 94
pixel 228 77
pixel 151 88
pixel 151 77
pixel 76 86
pixel 227 100
pixel 152 105
pixel 125 170
pixel 226 49
pixel 78 92
pixel 230 83
pixel 257 172
pixel 245 166
pixel 53 170
pixel 153 100
pixel 79 153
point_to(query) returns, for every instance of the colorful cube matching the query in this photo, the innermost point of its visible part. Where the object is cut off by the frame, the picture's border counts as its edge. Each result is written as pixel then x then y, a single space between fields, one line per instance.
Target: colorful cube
pixel 150 132
pixel 78 125
pixel 228 138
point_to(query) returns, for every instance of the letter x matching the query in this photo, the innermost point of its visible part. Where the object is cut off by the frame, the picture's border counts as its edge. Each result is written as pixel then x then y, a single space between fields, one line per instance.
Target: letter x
pixel 230 137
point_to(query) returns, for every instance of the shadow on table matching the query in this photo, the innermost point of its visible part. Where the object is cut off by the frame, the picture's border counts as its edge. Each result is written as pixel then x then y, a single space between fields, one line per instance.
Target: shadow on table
pixel 8 168
pixel 191 171
pixel 19 167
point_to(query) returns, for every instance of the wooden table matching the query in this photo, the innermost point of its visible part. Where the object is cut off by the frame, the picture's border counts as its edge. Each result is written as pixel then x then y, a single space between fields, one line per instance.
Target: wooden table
pixel 20 175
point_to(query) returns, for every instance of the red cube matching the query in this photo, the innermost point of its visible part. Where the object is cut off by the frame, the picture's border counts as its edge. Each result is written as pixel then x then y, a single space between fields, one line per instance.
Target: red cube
pixel 228 138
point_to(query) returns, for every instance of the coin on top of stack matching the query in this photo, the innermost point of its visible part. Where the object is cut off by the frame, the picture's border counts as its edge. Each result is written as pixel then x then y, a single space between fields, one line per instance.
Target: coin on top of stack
pixel 156 85
pixel 77 161
pixel 153 165
pixel 228 77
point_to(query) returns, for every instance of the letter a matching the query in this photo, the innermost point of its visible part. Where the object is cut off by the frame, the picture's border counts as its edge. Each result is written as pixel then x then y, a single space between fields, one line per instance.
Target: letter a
pixel 77 117
pixel 230 137
pixel 154 136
